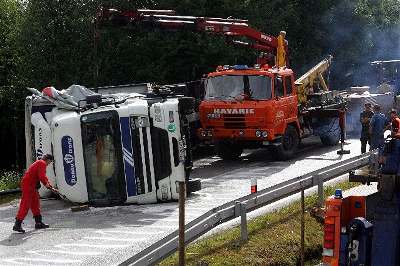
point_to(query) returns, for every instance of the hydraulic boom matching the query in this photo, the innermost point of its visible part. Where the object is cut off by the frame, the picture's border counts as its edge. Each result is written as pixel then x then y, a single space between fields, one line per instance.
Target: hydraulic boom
pixel 270 47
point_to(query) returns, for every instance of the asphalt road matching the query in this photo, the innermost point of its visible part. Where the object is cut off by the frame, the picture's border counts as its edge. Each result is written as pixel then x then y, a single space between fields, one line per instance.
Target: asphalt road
pixel 108 236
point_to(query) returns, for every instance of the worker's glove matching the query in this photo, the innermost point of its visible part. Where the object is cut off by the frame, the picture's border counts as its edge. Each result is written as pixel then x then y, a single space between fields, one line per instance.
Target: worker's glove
pixel 49 186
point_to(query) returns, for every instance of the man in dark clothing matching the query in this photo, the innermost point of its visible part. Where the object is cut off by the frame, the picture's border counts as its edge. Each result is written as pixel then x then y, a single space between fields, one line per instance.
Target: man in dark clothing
pixel 377 128
pixel 35 174
pixel 365 118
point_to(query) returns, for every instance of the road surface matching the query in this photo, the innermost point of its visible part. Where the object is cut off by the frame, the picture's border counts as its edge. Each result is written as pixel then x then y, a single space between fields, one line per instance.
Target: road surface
pixel 108 236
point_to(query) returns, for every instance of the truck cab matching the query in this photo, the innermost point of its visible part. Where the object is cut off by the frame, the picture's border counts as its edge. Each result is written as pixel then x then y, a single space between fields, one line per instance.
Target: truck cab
pixel 248 106
pixel 128 152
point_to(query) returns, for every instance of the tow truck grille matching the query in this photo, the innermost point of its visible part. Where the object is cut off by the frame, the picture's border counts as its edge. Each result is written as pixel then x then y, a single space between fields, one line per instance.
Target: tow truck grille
pixel 234 121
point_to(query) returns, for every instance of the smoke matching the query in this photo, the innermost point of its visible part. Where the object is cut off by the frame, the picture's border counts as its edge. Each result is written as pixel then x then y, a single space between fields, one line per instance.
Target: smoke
pixel 359 32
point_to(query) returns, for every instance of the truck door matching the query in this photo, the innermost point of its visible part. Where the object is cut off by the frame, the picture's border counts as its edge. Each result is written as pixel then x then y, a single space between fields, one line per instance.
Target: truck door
pixel 103 159
pixel 280 105
pixel 290 99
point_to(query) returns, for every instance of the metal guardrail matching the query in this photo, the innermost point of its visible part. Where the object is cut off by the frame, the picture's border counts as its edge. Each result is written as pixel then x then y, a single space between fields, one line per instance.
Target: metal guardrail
pixel 239 207
pixel 10 191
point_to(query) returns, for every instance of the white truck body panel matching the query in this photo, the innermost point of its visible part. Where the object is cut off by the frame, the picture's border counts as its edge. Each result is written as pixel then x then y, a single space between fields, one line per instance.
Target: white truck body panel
pixel 132 152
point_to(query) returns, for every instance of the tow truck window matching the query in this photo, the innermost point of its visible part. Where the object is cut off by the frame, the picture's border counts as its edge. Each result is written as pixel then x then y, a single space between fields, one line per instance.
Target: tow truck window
pixel 288 85
pixel 278 87
pixel 230 86
pixel 102 154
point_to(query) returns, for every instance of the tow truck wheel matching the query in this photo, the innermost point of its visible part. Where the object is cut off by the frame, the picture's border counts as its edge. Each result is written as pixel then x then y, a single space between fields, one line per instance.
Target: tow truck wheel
pixel 330 140
pixel 289 144
pixel 186 105
pixel 228 150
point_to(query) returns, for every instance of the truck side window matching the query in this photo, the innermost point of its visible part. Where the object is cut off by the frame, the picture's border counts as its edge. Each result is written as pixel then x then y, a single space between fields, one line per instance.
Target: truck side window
pixel 288 85
pixel 278 90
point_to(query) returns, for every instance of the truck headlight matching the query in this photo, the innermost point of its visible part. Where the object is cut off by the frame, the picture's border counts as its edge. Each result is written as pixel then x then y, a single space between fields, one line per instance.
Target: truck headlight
pixel 258 134
pixel 264 134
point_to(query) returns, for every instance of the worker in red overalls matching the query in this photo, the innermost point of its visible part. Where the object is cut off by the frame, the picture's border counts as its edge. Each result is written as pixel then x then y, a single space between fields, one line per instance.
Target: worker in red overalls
pixel 30 184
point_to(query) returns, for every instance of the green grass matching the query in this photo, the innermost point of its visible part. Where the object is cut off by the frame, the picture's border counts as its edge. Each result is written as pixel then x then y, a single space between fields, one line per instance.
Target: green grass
pixel 8 198
pixel 274 239
pixel 9 180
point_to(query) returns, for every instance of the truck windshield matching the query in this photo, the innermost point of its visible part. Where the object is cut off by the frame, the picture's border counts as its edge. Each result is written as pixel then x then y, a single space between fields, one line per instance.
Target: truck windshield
pixel 103 163
pixel 231 86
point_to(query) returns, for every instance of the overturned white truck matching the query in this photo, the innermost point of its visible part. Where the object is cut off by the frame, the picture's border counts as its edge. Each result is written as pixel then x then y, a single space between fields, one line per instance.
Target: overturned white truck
pixel 110 149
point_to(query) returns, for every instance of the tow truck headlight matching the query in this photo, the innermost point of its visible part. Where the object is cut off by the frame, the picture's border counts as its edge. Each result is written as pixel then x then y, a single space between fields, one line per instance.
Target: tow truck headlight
pixel 241 133
pixel 264 134
pixel 213 116
pixel 258 134
pixel 203 133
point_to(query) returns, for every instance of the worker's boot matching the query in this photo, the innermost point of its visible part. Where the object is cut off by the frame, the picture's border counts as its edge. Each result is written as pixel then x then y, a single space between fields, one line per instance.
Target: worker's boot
pixel 17 226
pixel 38 222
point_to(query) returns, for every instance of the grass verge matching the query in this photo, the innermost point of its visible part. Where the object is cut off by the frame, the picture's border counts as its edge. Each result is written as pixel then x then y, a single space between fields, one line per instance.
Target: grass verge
pixel 9 180
pixel 274 239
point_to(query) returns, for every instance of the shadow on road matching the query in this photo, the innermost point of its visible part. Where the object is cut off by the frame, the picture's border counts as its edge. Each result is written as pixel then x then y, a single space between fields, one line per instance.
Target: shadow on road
pixel 264 159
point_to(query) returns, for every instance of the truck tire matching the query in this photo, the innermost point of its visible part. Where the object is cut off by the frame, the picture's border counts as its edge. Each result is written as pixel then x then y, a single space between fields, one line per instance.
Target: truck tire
pixel 329 140
pixel 186 105
pixel 193 185
pixel 329 131
pixel 228 150
pixel 289 144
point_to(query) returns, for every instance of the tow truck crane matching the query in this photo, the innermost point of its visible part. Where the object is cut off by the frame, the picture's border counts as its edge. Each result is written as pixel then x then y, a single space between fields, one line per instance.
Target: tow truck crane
pixel 251 107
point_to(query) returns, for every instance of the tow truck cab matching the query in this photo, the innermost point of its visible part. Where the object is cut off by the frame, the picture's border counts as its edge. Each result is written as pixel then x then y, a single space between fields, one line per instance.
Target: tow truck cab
pixel 133 152
pixel 248 104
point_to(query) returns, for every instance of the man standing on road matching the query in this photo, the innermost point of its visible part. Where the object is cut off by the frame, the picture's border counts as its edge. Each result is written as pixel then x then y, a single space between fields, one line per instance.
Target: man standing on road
pixel 377 128
pixel 30 184
pixel 365 118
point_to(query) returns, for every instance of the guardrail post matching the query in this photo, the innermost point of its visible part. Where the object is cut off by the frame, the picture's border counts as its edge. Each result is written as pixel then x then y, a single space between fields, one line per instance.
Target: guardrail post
pixel 320 191
pixel 243 222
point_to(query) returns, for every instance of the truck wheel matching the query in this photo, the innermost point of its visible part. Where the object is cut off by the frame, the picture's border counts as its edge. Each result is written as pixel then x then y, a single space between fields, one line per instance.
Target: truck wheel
pixel 186 105
pixel 289 144
pixel 193 185
pixel 228 150
pixel 330 140
pixel 329 131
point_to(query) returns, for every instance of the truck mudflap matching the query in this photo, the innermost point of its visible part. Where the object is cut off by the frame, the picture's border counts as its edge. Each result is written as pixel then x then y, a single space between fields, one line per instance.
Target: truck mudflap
pixel 43 145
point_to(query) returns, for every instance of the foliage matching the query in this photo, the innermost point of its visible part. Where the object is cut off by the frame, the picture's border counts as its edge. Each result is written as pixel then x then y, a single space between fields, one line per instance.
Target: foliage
pixel 52 42
pixel 9 179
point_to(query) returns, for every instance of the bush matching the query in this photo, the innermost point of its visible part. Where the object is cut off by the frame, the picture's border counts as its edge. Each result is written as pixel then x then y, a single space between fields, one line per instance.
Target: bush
pixel 9 179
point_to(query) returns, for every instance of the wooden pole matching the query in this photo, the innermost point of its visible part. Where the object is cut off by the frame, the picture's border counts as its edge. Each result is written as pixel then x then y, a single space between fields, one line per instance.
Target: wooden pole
pixel 181 244
pixel 302 228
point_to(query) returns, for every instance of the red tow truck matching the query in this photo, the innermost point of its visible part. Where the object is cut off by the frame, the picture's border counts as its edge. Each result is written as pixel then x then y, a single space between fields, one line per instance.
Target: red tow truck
pixel 252 107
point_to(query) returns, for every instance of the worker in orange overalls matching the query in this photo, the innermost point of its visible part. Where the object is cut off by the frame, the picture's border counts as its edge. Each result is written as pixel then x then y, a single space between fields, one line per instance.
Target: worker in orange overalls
pixel 395 132
pixel 30 184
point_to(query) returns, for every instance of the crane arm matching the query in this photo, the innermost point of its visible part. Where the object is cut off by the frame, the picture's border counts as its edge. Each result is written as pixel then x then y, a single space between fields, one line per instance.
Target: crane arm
pixel 306 82
pixel 230 28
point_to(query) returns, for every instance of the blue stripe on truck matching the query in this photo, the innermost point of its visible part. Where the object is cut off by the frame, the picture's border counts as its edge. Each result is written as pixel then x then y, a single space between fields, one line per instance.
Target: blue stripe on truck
pixel 128 157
